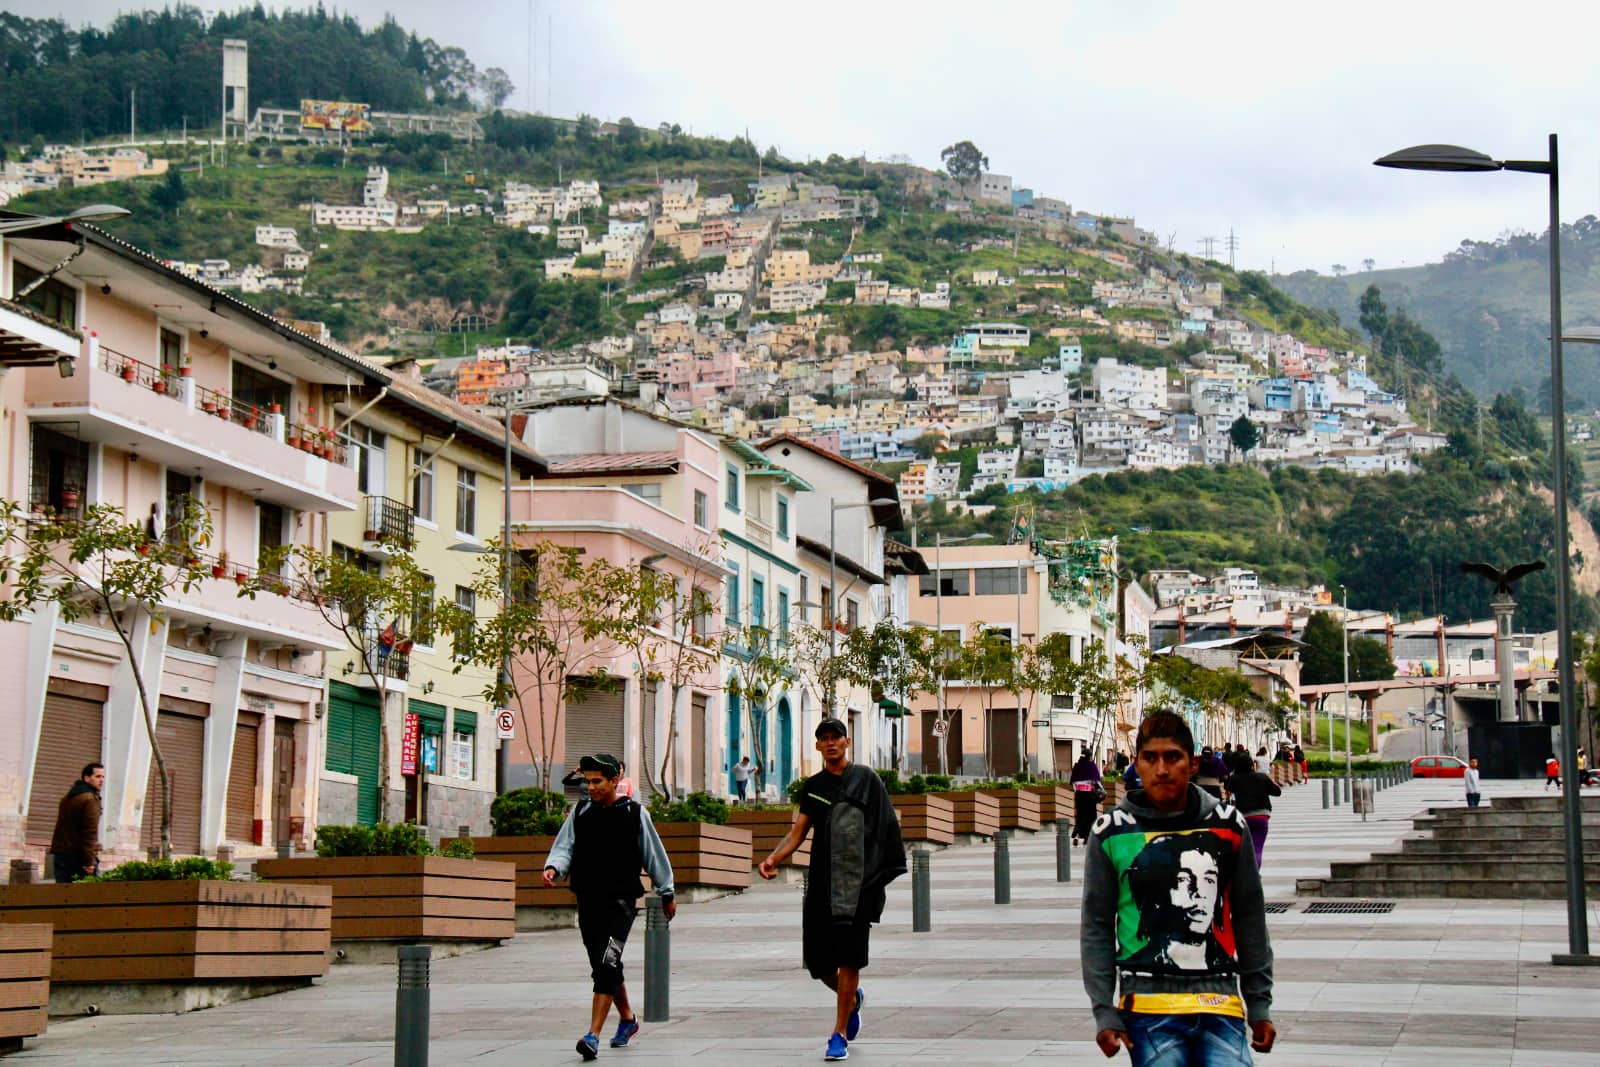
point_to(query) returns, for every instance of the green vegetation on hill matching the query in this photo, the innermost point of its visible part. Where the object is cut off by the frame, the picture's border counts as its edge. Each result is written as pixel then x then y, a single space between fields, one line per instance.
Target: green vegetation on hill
pixel 1396 541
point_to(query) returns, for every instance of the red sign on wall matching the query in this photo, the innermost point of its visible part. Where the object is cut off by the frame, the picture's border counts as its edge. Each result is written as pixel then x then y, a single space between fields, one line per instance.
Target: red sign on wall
pixel 409 739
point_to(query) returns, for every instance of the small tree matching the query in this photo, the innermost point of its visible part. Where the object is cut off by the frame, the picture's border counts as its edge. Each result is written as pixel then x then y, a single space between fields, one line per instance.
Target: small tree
pixel 964 161
pixel 100 565
pixel 565 617
pixel 1043 666
pixel 380 609
pixel 1244 434
pixel 987 661
pixel 893 660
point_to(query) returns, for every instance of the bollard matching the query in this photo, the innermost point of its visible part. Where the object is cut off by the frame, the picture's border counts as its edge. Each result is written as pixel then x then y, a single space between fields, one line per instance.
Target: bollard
pixel 1324 793
pixel 1344 784
pixel 921 892
pixel 411 1007
pixel 1063 851
pixel 224 853
pixel 1002 867
pixel 463 831
pixel 24 872
pixel 657 961
pixel 285 850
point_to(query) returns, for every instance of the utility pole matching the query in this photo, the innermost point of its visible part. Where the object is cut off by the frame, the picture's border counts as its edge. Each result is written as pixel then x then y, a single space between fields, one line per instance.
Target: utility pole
pixel 1344 627
pixel 1233 247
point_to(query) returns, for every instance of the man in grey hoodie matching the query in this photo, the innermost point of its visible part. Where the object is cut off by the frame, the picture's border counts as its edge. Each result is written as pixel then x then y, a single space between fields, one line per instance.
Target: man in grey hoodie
pixel 1173 911
pixel 603 845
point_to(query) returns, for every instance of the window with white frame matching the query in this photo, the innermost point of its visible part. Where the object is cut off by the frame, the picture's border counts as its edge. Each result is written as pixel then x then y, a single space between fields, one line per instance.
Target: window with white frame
pixel 422 491
pixel 700 509
pixel 650 491
pixel 466 501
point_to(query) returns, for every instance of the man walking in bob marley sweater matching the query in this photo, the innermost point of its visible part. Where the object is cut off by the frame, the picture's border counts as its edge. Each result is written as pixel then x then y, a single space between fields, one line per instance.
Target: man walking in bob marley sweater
pixel 1173 912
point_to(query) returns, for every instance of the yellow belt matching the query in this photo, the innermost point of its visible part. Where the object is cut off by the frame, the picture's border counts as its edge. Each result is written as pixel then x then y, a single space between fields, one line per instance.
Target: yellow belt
pixel 1184 1004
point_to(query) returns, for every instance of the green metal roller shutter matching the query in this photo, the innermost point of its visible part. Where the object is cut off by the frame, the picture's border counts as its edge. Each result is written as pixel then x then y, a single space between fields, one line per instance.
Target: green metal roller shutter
pixel 354 744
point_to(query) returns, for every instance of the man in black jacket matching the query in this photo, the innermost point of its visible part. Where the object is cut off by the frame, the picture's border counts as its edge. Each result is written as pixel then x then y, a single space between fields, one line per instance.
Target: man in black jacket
pixel 856 852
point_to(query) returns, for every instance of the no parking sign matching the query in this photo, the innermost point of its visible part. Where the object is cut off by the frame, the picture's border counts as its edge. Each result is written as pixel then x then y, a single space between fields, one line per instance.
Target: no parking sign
pixel 505 725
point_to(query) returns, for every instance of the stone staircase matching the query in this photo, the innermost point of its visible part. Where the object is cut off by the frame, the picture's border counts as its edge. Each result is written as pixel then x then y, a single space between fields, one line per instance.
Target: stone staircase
pixel 1512 850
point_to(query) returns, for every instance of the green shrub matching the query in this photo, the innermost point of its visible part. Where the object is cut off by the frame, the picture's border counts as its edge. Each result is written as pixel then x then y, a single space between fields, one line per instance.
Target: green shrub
pixel 190 869
pixel 916 785
pixel 937 783
pixel 385 839
pixel 528 812
pixel 795 788
pixel 458 848
pixel 891 781
pixel 696 807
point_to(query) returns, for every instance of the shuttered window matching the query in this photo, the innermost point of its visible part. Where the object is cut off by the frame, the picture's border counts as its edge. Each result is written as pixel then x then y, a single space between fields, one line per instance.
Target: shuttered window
pixel 242 779
pixel 183 739
pixel 594 724
pixel 697 741
pixel 69 737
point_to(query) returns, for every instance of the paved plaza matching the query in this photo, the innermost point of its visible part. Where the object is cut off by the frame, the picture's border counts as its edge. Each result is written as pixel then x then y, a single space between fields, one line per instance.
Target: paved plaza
pixel 1435 982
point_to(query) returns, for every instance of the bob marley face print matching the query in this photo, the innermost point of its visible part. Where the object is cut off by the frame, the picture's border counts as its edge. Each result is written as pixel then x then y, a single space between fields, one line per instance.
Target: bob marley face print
pixel 1174 914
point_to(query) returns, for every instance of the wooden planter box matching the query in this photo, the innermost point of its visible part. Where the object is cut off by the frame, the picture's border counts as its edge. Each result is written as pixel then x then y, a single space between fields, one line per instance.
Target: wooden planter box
pixel 1019 809
pixel 194 932
pixel 976 812
pixel 24 982
pixel 768 827
pixel 928 817
pixel 703 854
pixel 409 898
pixel 527 854
pixel 1055 802
pixel 1115 791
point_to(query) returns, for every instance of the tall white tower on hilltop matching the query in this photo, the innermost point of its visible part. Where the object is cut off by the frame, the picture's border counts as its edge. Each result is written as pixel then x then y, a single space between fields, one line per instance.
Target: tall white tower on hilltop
pixel 235 87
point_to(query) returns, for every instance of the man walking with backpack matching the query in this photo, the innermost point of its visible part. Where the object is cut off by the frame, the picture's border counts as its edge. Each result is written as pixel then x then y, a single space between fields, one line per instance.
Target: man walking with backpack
pixel 603 845
pixel 1173 913
pixel 856 852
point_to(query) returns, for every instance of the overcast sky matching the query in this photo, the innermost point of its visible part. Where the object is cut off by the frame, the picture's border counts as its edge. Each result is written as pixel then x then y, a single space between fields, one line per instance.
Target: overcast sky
pixel 1197 118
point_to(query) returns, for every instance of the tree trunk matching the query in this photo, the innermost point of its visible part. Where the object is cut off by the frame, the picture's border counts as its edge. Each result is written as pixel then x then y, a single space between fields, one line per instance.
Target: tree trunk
pixel 149 729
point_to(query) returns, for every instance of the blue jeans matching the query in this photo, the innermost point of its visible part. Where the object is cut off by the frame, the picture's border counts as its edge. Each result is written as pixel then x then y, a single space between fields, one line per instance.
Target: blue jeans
pixel 1198 1040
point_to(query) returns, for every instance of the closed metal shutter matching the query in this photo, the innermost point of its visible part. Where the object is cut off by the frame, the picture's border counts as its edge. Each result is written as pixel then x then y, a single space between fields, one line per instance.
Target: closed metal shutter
pixel 930 744
pixel 183 741
pixel 242 778
pixel 697 742
pixel 354 741
pixel 594 724
pixel 69 737
pixel 1004 757
pixel 649 780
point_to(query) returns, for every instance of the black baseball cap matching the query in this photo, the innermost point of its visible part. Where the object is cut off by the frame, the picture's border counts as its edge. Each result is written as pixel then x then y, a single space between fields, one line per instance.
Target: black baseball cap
pixel 828 726
pixel 604 762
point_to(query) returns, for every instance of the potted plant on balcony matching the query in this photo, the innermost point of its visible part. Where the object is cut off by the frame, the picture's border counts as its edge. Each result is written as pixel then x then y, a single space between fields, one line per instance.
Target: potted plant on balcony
pixel 159 385
pixel 293 436
pixel 219 566
pixel 252 415
pixel 208 405
pixel 70 495
pixel 224 404
pixel 129 370
pixel 186 367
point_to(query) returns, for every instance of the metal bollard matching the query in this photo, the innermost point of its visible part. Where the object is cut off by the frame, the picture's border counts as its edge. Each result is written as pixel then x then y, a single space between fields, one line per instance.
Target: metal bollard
pixel 463 831
pixel 1002 867
pixel 1344 784
pixel 411 1007
pixel 1063 851
pixel 1324 793
pixel 285 850
pixel 657 962
pixel 24 872
pixel 921 892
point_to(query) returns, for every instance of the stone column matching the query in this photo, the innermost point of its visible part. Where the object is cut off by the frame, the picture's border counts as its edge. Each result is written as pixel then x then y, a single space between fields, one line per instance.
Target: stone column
pixel 1504 607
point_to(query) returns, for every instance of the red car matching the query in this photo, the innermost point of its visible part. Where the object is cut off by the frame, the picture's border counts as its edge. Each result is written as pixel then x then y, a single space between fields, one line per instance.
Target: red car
pixel 1437 767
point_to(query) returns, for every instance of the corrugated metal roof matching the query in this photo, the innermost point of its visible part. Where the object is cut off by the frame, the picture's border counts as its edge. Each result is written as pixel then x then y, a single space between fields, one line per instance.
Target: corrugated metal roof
pixel 612 462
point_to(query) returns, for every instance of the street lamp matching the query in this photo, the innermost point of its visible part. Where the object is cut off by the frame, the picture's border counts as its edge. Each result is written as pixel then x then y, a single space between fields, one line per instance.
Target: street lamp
pixel 1344 632
pixel 938 626
pixel 88 213
pixel 1455 158
pixel 834 507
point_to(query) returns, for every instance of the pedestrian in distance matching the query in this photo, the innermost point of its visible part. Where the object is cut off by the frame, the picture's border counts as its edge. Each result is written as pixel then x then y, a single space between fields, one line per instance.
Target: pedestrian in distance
pixel 1305 765
pixel 1173 914
pixel 1552 772
pixel 856 852
pixel 741 778
pixel 1261 761
pixel 1130 776
pixel 1251 791
pixel 1087 792
pixel 75 844
pixel 1210 773
pixel 624 783
pixel 603 845
pixel 1469 780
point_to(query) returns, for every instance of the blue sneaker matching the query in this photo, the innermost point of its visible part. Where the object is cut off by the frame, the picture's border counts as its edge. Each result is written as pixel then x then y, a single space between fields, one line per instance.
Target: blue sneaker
pixel 838 1049
pixel 852 1029
pixel 625 1033
pixel 588 1047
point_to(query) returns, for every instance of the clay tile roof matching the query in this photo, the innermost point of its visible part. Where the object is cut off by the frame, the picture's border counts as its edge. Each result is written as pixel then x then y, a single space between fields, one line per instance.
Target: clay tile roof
pixel 613 463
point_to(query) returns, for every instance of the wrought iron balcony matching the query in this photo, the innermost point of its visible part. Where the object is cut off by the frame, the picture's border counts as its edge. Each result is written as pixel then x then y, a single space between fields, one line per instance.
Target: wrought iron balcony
pixel 390 522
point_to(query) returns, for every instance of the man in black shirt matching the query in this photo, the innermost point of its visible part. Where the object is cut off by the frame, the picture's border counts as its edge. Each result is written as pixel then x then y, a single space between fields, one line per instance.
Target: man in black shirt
pixel 855 853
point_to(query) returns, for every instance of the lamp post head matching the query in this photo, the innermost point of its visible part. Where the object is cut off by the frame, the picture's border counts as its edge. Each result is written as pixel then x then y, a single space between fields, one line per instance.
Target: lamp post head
pixel 1586 335
pixel 97 213
pixel 1447 157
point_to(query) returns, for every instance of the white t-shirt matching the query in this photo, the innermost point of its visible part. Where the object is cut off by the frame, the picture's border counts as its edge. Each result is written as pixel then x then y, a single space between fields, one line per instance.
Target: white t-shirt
pixel 741 772
pixel 1470 778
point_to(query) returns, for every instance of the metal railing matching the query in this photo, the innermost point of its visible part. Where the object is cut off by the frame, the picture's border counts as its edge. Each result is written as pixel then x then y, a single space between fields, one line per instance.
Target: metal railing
pixel 390 522
pixel 313 440
pixel 159 380
pixel 221 404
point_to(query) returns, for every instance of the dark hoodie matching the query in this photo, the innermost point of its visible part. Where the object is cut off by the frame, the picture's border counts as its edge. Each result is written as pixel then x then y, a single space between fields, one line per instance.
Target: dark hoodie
pixel 77 831
pixel 1172 904
pixel 864 847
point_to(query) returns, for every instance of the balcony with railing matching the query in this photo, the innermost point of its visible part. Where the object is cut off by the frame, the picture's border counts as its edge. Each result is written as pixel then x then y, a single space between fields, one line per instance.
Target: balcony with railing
pixel 391 523
pixel 128 403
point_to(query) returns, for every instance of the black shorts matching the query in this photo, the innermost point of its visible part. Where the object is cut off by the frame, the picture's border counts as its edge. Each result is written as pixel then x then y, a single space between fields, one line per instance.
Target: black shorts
pixel 828 945
pixel 604 926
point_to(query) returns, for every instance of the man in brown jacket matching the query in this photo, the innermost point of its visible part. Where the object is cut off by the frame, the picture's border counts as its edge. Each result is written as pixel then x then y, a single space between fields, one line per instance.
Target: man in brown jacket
pixel 76 841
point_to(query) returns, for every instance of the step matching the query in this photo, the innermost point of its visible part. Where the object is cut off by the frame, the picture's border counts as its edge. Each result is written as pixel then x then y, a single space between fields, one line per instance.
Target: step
pixel 1428 848
pixel 1455 870
pixel 1522 889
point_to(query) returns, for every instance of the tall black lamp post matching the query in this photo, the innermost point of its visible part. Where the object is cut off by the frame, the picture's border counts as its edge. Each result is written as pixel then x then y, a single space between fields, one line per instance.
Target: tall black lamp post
pixel 1445 157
